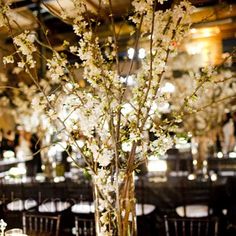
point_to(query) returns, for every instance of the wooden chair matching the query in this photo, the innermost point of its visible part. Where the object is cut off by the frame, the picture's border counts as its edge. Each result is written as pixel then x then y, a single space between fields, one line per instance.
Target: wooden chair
pixel 142 208
pixel 191 226
pixel 22 197
pixel 53 198
pixel 41 225
pixel 194 193
pixel 84 226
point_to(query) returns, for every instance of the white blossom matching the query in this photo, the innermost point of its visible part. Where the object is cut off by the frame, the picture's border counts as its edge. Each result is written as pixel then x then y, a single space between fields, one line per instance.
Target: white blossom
pixel 105 157
pixel 56 66
pixel 73 49
pixel 25 45
pixel 8 59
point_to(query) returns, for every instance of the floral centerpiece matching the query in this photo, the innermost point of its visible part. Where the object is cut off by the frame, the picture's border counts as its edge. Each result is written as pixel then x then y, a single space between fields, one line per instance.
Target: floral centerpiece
pixel 204 115
pixel 111 117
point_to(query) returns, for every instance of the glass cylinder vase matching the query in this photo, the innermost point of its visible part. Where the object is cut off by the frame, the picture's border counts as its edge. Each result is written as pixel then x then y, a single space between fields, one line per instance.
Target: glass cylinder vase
pixel 115 202
pixel 47 164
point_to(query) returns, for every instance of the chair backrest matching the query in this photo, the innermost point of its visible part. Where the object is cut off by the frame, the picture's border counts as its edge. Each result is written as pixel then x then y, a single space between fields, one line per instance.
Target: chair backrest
pixel 43 225
pixel 84 227
pixel 195 193
pixel 191 226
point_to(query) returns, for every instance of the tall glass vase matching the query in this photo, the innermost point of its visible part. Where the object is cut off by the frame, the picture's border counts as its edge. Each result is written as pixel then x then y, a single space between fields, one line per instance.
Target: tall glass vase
pixel 47 164
pixel 200 154
pixel 115 206
pixel 47 160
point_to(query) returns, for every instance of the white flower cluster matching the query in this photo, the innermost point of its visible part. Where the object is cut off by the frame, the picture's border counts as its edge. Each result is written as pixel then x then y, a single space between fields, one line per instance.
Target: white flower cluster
pixel 105 157
pixel 57 67
pixel 170 27
pixel 79 23
pixel 24 116
pixel 161 145
pixel 142 6
pixel 29 110
pixel 205 106
pixel 89 53
pixel 26 47
pixel 8 59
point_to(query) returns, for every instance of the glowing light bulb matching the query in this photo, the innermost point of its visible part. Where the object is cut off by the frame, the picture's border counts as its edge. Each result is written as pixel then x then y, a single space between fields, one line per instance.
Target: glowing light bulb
pixel 141 53
pixel 131 52
pixel 168 88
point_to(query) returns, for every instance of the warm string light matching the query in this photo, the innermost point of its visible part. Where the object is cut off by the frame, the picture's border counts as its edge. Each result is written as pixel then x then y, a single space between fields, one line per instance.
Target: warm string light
pixel 141 54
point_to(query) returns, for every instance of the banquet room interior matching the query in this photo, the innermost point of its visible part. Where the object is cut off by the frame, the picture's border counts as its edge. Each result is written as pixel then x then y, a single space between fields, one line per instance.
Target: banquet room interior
pixel 194 179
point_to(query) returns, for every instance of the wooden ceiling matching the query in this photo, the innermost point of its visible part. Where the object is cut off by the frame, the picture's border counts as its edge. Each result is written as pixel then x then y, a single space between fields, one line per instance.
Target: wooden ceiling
pixel 209 12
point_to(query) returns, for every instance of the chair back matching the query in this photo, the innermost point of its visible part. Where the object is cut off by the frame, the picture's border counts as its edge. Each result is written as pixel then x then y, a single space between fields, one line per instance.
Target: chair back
pixel 191 226
pixel 41 225
pixel 195 193
pixel 84 227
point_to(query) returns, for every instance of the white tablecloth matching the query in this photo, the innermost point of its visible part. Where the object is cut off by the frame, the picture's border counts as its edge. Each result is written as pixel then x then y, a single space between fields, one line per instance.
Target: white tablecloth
pixel 20 205
pixel 54 206
pixel 83 208
pixel 193 211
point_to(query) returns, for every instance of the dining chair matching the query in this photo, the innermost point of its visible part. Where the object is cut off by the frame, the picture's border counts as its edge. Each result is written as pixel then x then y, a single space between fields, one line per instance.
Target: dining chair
pixel 53 198
pixel 41 225
pixel 83 200
pixel 142 206
pixel 84 226
pixel 16 202
pixel 196 198
pixel 145 210
pixel 191 226
pixel 21 197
